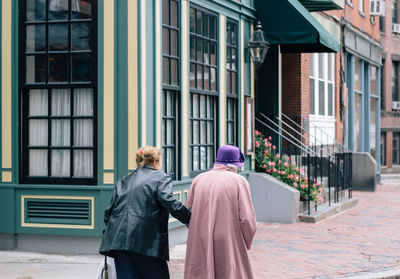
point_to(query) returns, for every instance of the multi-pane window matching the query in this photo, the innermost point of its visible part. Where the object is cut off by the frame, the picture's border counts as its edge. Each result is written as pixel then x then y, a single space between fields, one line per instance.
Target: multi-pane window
pixel 57 54
pixel 374 108
pixel 358 106
pixel 203 89
pixel 231 81
pixel 394 11
pixel 361 5
pixel 322 89
pixel 395 81
pixel 171 88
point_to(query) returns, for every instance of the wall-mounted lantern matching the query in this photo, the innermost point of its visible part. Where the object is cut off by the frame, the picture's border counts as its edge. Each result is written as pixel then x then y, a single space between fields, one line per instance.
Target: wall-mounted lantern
pixel 257 45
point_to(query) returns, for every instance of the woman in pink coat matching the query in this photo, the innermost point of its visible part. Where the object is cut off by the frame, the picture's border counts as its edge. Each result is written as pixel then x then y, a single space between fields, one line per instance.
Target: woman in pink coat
pixel 223 222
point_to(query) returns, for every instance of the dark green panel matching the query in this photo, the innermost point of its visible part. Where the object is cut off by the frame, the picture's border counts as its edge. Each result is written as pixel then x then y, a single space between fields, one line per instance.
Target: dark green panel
pixel 322 5
pixel 121 88
pixel 7 210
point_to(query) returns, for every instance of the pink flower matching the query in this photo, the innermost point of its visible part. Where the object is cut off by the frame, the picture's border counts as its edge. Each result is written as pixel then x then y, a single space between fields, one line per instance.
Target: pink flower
pixel 269 138
pixel 274 170
pixel 320 189
pixel 321 198
pixel 273 164
pixel 278 156
pixel 286 164
pixel 318 184
pixel 257 143
pixel 282 172
pixel 273 147
pixel 256 132
pixel 279 162
pixel 290 176
pixel 266 144
pixel 295 184
pixel 293 163
pixel 302 186
pixel 269 164
pixel 268 171
pixel 265 152
pixel 264 166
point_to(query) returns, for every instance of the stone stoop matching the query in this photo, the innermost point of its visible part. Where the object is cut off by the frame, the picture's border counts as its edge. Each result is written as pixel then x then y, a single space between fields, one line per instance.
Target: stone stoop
pixel 325 211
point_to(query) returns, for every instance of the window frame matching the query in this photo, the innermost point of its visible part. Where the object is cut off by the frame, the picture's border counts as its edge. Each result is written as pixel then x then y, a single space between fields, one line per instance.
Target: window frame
pixel 174 89
pixel 232 94
pixel 208 94
pixel 24 87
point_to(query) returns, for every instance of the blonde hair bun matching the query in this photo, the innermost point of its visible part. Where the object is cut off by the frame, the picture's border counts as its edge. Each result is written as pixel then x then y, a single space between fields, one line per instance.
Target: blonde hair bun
pixel 148 155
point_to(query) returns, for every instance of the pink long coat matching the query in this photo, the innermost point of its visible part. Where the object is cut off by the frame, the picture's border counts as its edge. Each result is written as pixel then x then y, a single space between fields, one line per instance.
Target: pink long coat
pixel 221 228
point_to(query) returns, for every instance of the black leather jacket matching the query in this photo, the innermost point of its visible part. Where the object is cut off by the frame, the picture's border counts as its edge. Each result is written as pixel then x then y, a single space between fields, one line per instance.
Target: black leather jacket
pixel 137 218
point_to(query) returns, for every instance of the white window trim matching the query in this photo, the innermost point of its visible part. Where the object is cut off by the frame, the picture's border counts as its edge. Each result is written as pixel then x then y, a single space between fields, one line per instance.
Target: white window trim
pixel 316 116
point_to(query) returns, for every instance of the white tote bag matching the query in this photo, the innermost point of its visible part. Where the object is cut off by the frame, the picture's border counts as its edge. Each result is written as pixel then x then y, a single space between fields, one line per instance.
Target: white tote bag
pixel 101 271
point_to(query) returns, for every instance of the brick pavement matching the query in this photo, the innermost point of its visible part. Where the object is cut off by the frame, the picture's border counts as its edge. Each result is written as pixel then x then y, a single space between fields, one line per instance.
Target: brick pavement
pixel 363 239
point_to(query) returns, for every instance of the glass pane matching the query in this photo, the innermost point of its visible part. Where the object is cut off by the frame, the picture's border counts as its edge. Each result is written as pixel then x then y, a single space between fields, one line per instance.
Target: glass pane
pixel 165 12
pixel 35 38
pixel 170 160
pixel 395 82
pixel 210 132
pixel 234 86
pixel 170 132
pixel 357 120
pixel 373 85
pixel 174 43
pixel 203 106
pixel 330 99
pixel 233 59
pixel 83 163
pixel 199 47
pixel 230 133
pixel 192 75
pixel 228 82
pixel 213 79
pixel 35 69
pixel 357 74
pixel 80 36
pixel 312 64
pixel 203 157
pixel 38 102
pixel 174 72
pixel 210 156
pixel 60 163
pixel 234 35
pixel 192 20
pixel 166 71
pixel 83 132
pixel 60 102
pixel 196 163
pixel 192 48
pixel 58 37
pixel 213 54
pixel 206 52
pixel 38 132
pixel 165 38
pixel 213 27
pixel 58 9
pixel 83 102
pixel 199 23
pixel 196 136
pixel 36 10
pixel 81 9
pixel 58 68
pixel 199 77
pixel 38 165
pixel 174 13
pixel 372 128
pixel 203 133
pixel 195 105
pixel 321 98
pixel 321 65
pixel 210 107
pixel 190 131
pixel 206 25
pixel 206 78
pixel 331 66
pixel 163 132
pixel 81 67
pixel 60 132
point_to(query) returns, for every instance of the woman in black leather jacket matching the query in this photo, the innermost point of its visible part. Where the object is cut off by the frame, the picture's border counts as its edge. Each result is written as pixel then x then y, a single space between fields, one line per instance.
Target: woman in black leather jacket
pixel 136 234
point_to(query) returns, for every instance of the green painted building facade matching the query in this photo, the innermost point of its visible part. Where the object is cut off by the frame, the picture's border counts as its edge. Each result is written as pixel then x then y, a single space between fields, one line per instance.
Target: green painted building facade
pixel 85 83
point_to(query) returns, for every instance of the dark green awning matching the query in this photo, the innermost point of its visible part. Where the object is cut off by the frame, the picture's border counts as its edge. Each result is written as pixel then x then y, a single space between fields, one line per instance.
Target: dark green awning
pixel 322 5
pixel 289 24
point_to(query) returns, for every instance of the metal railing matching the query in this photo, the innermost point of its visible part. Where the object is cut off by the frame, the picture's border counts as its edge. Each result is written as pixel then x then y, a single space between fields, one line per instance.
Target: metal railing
pixel 315 165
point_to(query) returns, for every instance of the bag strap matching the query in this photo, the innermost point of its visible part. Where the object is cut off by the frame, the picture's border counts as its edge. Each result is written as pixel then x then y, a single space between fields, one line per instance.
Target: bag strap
pixel 105 268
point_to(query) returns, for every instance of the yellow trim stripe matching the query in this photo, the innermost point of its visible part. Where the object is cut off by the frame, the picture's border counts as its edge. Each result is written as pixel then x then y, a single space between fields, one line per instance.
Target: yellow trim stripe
pixel 108 178
pixel 6 176
pixel 185 86
pixel 222 81
pixel 6 138
pixel 132 84
pixel 58 226
pixel 108 85
pixel 143 89
pixel 158 73
pixel 242 79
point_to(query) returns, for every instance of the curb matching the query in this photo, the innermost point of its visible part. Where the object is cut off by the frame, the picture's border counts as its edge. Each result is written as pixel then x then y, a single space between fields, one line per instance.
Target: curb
pixel 382 274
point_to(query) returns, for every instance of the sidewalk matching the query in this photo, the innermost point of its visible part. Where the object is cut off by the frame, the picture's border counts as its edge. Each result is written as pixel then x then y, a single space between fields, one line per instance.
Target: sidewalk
pixel 363 242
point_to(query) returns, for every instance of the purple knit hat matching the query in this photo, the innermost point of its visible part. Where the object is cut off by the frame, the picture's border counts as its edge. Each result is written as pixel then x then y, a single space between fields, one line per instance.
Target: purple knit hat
pixel 229 154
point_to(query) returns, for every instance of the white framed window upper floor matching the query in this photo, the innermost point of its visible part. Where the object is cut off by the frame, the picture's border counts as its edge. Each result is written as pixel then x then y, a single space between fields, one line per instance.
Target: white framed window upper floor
pixel 322 86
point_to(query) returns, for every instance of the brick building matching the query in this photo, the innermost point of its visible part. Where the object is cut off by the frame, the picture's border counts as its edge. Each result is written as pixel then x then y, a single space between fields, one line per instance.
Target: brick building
pixel 390 106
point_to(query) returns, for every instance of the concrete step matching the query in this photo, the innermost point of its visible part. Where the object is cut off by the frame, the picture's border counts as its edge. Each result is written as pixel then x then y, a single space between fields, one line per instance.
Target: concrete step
pixel 325 211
